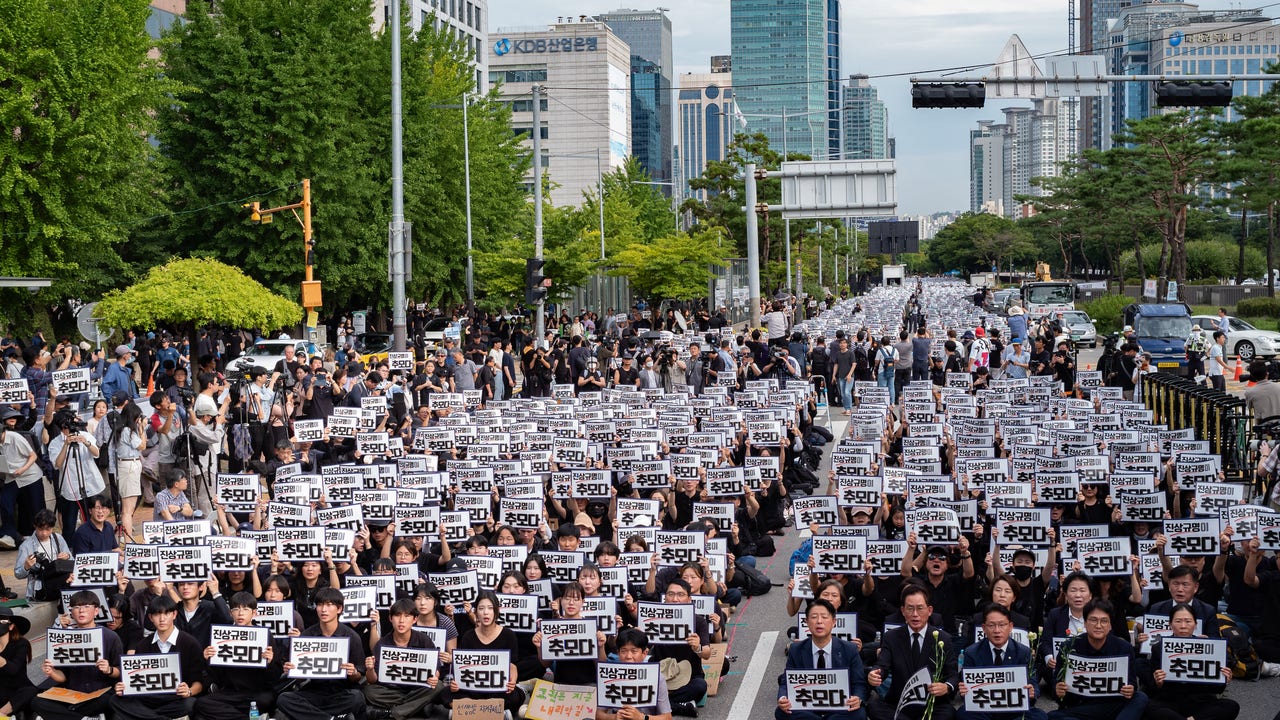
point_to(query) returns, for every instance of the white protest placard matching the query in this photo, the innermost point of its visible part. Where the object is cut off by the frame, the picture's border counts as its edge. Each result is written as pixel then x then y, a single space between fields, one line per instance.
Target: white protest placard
pixel 603 610
pixel 275 616
pixel 72 382
pixel 518 612
pixel 14 392
pixel 186 532
pixel 141 562
pixel 482 671
pixel 1108 556
pixel 677 547
pixel 621 684
pixel 839 555
pixel 1097 676
pixel 400 361
pixel 230 553
pixel 521 513
pixel 237 492
pixel 666 623
pixel 69 647
pixel 300 544
pixel 456 588
pixel 934 526
pixel 318 658
pixel 996 689
pixel 309 430
pixel 407 666
pixel 1193 660
pixel 150 674
pixel 1023 526
pixel 886 557
pixel 104 615
pixel 801 587
pixel 915 691
pixel 185 563
pixel 1213 498
pixel 568 640
pixel 1192 536
pixel 818 690
pixel 358 603
pixel 238 646
pixel 1268 529
pixel 824 510
pixel 95 569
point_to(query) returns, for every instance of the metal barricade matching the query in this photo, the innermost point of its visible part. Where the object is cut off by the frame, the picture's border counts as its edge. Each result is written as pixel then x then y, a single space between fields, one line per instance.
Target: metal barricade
pixel 1216 416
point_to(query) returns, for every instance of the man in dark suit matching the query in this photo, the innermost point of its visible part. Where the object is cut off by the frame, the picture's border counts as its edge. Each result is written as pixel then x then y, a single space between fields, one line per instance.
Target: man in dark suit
pixel 904 651
pixel 823 651
pixel 999 650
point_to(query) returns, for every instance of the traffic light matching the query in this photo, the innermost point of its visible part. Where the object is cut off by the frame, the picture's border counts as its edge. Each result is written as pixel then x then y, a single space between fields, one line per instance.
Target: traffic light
pixel 535 283
pixel 948 95
pixel 1184 93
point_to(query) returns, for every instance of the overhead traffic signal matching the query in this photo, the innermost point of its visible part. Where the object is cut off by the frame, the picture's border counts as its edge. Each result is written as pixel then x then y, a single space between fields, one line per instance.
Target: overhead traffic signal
pixel 1184 93
pixel 535 283
pixel 948 95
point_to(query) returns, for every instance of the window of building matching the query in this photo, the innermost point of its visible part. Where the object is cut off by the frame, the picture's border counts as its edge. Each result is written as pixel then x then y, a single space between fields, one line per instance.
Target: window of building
pixel 526 130
pixel 522 75
pixel 527 105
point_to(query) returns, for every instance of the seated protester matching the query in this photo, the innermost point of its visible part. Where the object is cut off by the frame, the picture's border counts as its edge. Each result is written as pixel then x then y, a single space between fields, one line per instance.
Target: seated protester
pixel 122 623
pixel 822 651
pixel 906 649
pixel 82 678
pixel 191 666
pixel 36 556
pixel 307 581
pixel 233 689
pixel 1032 585
pixel 16 690
pixel 684 699
pixel 1183 582
pixel 633 647
pixel 277 589
pixel 1264 573
pixel 947 588
pixel 1003 592
pixel 426 600
pixel 998 649
pixel 197 615
pixel 574 672
pixel 394 700
pixel 172 503
pixel 1173 700
pixel 141 600
pixel 98 535
pixel 489 635
pixel 325 699
pixel 1099 643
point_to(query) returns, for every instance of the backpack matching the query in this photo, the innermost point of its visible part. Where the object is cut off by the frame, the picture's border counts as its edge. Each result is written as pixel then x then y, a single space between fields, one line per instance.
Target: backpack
pixel 188 447
pixel 1241 657
pixel 819 364
pixel 752 581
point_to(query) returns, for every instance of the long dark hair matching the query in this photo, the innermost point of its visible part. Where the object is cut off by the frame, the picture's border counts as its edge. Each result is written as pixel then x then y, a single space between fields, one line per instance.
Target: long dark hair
pixel 129 418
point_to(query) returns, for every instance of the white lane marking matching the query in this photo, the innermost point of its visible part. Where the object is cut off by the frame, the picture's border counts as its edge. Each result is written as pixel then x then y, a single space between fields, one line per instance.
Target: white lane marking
pixel 745 700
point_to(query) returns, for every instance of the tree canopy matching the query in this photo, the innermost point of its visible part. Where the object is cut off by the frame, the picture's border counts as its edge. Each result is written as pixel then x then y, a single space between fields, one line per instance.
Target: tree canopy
pixel 194 292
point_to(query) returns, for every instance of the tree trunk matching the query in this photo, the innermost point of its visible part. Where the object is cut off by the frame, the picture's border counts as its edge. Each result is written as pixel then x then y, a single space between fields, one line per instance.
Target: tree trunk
pixel 1178 243
pixel 1137 257
pixel 1271 249
pixel 1162 273
pixel 1244 236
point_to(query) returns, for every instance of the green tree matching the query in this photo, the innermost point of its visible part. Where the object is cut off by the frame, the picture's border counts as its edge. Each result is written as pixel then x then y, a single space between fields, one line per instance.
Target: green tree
pixel 676 267
pixel 76 92
pixel 975 241
pixel 194 292
pixel 1252 168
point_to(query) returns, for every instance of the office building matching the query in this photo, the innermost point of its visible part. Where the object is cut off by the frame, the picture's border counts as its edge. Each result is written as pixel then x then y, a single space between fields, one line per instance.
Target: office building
pixel 721 63
pixel 866 121
pixel 1005 157
pixel 786 61
pixel 1095 17
pixel 648 33
pixel 708 119
pixel 986 168
pixel 583 133
pixel 463 20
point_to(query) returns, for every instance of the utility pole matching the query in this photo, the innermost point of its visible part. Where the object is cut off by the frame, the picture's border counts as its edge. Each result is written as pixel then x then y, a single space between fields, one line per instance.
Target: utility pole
pixel 466 156
pixel 311 296
pixel 540 324
pixel 399 327
pixel 753 245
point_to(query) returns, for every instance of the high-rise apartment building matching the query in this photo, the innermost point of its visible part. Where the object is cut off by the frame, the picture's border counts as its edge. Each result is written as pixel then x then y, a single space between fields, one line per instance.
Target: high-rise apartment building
pixel 648 32
pixel 1005 157
pixel 465 20
pixel 986 168
pixel 866 121
pixel 583 134
pixel 708 119
pixel 786 61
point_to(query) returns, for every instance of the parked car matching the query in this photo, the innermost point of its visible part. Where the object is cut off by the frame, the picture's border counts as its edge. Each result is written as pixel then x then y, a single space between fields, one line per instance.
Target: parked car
pixel 373 346
pixel 1081 327
pixel 1243 339
pixel 266 353
pixel 434 332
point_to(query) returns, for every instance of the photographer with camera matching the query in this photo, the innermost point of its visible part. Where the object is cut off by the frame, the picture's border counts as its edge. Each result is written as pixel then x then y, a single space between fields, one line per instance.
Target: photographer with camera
pixel 38 558
pixel 73 451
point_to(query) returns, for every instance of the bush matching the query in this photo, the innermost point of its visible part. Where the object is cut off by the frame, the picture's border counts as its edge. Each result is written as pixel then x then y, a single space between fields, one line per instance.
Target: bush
pixel 1107 311
pixel 1262 307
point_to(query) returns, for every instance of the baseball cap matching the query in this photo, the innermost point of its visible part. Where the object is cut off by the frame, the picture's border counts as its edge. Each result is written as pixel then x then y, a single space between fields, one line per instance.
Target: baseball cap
pixel 122 350
pixel 1127 328
pixel 119 397
pixel 979 332
pixel 85 347
pixel 1017 341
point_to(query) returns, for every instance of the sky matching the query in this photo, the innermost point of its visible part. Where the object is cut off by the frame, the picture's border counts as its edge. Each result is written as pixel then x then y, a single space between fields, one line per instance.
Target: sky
pixel 879 38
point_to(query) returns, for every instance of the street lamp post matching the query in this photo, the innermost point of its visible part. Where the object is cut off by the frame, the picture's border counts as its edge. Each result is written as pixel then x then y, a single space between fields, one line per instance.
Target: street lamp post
pixel 466 159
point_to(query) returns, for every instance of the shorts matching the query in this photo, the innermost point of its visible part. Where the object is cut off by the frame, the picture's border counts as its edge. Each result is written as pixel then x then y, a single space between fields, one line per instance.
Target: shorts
pixel 129 477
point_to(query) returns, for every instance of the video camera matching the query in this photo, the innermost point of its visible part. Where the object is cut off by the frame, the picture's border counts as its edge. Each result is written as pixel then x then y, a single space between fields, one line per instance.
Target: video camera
pixel 1273 373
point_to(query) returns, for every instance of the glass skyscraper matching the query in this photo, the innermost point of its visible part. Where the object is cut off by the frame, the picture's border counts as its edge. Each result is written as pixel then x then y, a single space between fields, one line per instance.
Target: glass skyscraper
pixel 786 60
pixel 866 121
pixel 648 32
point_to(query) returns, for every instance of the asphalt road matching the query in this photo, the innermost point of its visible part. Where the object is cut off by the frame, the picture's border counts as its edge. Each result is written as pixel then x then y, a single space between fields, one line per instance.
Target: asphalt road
pixel 758 638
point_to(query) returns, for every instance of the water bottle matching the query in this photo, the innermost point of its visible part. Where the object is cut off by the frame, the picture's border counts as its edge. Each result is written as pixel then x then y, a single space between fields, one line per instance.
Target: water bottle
pixel 253 711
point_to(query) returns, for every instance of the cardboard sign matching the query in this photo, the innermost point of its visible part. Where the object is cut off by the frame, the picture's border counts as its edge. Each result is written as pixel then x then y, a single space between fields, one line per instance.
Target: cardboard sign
pixel 358 603
pixel 518 612
pixel 568 640
pixel 801 587
pixel 552 701
pixel 150 674
pixel 678 547
pixel 603 610
pixel 308 430
pixel 300 544
pixel 1192 536
pixel 522 514
pixel 14 392
pixel 456 588
pixel 72 382
pixel 482 671
pixel 1023 526
pixel 236 646
pixel 1097 677
pixel 318 658
pixel 915 692
pixel 1193 660
pixel 407 666
pixel 238 493
pixel 1104 556
pixel 818 690
pixel 72 647
pixel 839 555
pixel 185 564
pixel 666 623
pixel 622 684
pixel 95 569
pixel 186 532
pixel 886 557
pixel 996 689
pixel 141 562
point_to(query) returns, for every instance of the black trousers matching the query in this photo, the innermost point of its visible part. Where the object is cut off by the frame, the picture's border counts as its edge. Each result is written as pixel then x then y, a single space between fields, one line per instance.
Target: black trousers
pixel 233 704
pixel 54 710
pixel 880 709
pixel 151 707
pixel 303 705
pixel 1201 708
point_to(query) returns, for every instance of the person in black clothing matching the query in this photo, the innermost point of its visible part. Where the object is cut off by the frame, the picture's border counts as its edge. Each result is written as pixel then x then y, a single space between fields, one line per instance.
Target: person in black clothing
pixel 1172 700
pixel 400 701
pixel 684 699
pixel 945 588
pixel 907 649
pixel 234 688
pixel 199 615
pixel 167 639
pixel 16 690
pixel 325 699
pixel 1099 642
pixel 1041 358
pixel 82 678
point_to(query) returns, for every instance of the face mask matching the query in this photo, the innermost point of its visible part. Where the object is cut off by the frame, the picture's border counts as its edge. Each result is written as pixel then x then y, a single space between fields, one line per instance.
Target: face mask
pixel 595 511
pixel 648 366
pixel 1023 572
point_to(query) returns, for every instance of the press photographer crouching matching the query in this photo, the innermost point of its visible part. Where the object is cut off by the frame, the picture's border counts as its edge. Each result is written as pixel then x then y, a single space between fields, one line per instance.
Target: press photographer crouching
pixel 44 560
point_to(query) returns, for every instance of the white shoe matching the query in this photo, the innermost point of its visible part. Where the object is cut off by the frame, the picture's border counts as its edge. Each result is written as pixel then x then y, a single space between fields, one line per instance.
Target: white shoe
pixel 1268 669
pixel 6 543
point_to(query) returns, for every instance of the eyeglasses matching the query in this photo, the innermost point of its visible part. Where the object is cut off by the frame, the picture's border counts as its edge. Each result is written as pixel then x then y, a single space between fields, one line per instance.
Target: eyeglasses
pixel 914 609
pixel 937 556
pixel 1098 621
pixel 998 626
